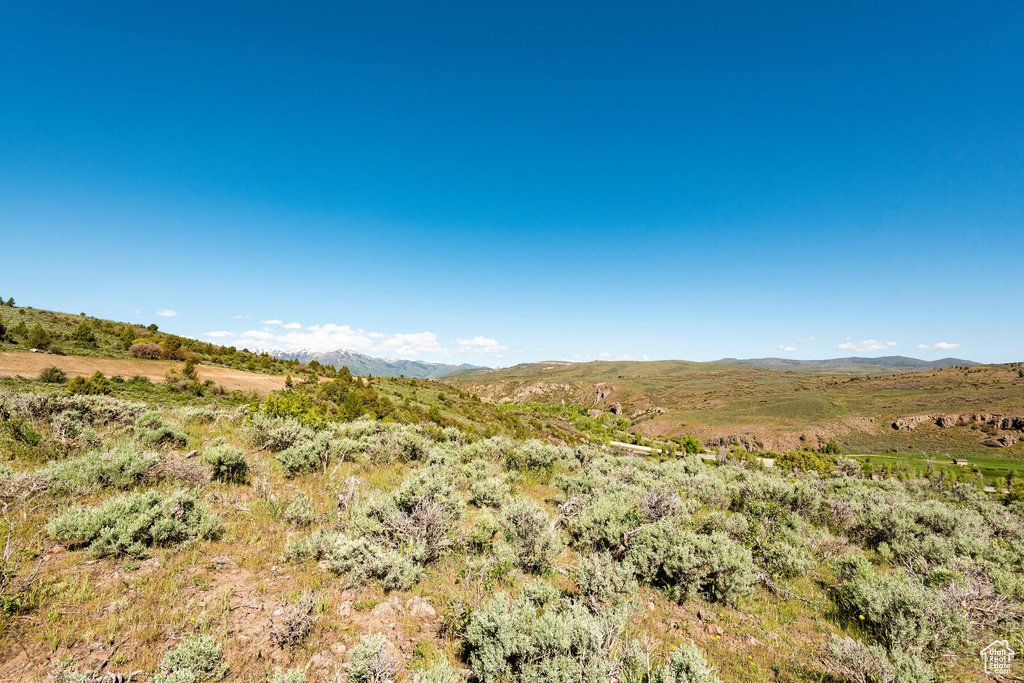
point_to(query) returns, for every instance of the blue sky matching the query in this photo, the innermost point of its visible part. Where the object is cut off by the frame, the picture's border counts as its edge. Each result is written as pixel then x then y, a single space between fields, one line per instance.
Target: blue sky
pixel 504 183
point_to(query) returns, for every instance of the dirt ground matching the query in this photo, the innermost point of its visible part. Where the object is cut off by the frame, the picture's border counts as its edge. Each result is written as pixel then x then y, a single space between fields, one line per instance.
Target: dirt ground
pixel 13 364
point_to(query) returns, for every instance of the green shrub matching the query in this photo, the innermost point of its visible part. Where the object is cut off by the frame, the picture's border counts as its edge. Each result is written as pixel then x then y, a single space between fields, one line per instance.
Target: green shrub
pixel 686 664
pixel 873 664
pixel 520 641
pixel 371 662
pixel 684 562
pixel 805 461
pixel 899 611
pixel 153 428
pixel 227 463
pixel 122 468
pixel 131 524
pixel 532 455
pixel 196 658
pixel 484 528
pixel 294 675
pixel 53 375
pixel 524 526
pixel 603 581
pixel 38 338
pixel 96 385
pixel 440 671
pixel 299 510
pixel 361 560
pixel 489 492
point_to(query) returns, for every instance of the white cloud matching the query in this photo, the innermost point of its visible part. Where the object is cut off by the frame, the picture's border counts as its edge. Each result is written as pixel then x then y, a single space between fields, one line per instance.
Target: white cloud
pixel 138 312
pixel 942 346
pixel 220 333
pixel 167 313
pixel 868 345
pixel 577 358
pixel 802 340
pixel 330 337
pixel 482 346
pixel 787 348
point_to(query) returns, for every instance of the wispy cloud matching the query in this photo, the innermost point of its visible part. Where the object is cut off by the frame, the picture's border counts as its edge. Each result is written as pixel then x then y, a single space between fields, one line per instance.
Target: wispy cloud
pixel 271 322
pixel 258 334
pixel 292 326
pixel 942 346
pixel 220 333
pixel 787 348
pixel 167 313
pixel 867 345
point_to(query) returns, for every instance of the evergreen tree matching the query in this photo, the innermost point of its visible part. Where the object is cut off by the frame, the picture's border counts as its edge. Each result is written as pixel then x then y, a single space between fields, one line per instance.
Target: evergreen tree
pixel 127 336
pixel 38 338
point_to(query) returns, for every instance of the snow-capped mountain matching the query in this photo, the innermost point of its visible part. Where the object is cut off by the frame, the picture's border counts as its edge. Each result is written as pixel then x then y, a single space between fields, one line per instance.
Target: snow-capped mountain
pixel 362 364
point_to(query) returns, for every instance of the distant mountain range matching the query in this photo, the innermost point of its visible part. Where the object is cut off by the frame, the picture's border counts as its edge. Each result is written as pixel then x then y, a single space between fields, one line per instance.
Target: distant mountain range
pixel 362 364
pixel 889 362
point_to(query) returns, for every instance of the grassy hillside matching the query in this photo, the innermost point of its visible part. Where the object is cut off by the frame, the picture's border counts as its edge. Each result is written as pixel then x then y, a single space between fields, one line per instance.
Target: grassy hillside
pixel 57 333
pixel 770 409
pixel 399 526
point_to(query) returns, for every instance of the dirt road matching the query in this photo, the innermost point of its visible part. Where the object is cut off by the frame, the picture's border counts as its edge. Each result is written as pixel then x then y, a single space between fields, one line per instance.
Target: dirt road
pixel 30 364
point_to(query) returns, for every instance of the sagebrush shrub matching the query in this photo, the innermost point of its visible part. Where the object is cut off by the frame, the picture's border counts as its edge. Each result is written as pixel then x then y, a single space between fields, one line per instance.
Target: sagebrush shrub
pixel 123 467
pixel 293 675
pixel 196 658
pixel 299 510
pixel 899 611
pixel 524 526
pixel 684 562
pixel 874 664
pixel 131 524
pixel 371 662
pixel 154 428
pixel 227 463
pixel 521 641
pixel 491 492
pixel 686 664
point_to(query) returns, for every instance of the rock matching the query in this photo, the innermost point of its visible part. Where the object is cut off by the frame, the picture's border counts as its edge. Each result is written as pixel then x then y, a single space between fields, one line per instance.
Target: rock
pixel 222 562
pixel 751 640
pixel 909 423
pixel 385 610
pixel 338 649
pixel 345 609
pixel 714 630
pixel 705 615
pixel 56 549
pixel 418 607
pixel 191 454
pixel 594 412
pixel 615 409
pixel 1007 440
pixel 650 604
pixel 324 565
pixel 321 660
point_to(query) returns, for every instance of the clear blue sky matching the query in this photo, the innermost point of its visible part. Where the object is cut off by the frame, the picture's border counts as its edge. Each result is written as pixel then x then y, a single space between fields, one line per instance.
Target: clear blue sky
pixel 498 183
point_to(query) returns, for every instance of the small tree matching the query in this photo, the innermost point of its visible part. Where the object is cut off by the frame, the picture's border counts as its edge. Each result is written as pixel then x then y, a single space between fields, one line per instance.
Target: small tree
pixel 38 338
pixel 127 336
pixel 84 333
